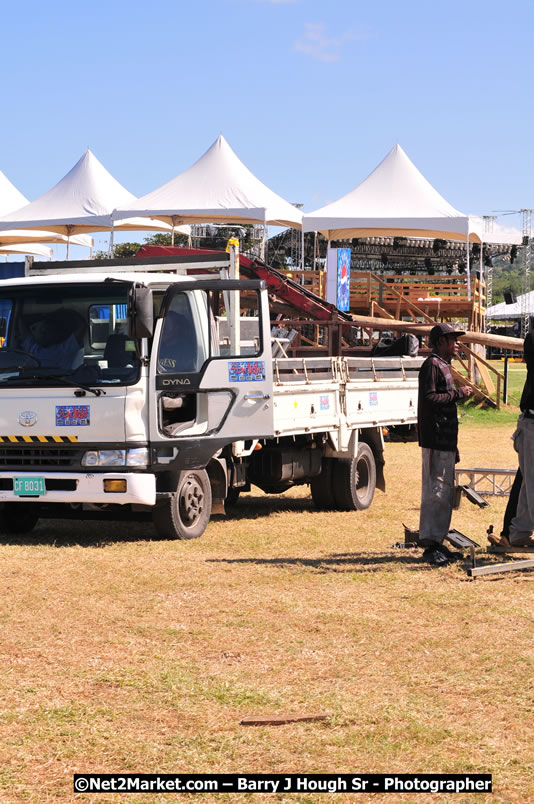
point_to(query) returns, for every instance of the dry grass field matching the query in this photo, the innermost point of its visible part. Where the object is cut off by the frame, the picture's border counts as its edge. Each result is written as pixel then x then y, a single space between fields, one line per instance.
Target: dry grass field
pixel 124 653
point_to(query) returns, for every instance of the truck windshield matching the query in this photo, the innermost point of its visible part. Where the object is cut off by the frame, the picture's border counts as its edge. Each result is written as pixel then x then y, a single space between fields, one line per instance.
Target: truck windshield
pixel 57 331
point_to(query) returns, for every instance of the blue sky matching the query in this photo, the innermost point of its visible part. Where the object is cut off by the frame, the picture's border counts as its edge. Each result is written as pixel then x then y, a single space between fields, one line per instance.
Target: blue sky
pixel 310 94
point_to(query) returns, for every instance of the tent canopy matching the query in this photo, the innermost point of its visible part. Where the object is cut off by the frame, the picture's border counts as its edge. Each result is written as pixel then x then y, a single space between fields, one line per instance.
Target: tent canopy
pixel 218 188
pixel 14 236
pixel 27 248
pixel 394 200
pixel 497 235
pixel 81 202
pixel 503 311
pixel 10 197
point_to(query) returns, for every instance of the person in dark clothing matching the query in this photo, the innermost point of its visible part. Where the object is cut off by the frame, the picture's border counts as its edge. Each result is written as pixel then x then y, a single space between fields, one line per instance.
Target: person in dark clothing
pixel 511 508
pixel 437 421
pixel 518 524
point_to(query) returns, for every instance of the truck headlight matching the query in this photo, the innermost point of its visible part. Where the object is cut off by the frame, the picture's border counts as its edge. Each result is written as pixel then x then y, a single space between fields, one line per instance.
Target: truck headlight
pixel 137 457
pixel 104 457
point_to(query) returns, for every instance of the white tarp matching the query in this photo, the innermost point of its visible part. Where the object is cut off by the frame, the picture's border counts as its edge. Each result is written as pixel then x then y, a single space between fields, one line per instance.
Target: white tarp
pixel 81 202
pixel 502 311
pixel 218 188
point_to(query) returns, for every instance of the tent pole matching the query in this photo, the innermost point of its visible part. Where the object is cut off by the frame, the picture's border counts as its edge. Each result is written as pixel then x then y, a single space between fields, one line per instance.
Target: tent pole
pixel 302 248
pixel 69 230
pixel 111 246
pixel 173 219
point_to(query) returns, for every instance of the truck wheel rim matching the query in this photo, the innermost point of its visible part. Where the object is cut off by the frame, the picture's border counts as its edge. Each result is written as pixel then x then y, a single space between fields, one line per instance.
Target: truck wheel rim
pixel 191 501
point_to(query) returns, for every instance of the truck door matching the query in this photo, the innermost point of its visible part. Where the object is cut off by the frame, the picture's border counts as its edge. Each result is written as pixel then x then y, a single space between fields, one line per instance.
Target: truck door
pixel 211 371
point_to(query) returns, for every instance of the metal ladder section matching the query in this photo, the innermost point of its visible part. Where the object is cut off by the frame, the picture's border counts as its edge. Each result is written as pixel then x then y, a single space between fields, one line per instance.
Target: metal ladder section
pixel 495 482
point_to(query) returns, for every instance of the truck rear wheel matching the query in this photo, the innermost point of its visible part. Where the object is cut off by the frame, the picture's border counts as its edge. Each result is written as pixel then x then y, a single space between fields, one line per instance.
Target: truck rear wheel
pixel 186 514
pixel 18 517
pixel 321 487
pixel 354 481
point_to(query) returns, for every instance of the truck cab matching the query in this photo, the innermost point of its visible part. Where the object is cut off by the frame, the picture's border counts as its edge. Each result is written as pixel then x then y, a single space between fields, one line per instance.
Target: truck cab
pixel 119 388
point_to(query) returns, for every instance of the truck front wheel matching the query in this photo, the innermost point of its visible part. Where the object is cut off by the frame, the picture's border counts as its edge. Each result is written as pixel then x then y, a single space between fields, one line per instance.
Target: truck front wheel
pixel 186 514
pixel 355 480
pixel 18 517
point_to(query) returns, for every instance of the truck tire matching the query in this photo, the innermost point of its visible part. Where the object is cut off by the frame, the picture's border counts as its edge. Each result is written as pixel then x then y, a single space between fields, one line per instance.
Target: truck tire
pixel 321 487
pixel 186 514
pixel 354 481
pixel 18 517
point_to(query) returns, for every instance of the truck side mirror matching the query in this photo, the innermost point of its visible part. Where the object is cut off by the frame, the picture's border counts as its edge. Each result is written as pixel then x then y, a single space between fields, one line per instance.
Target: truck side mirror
pixel 142 318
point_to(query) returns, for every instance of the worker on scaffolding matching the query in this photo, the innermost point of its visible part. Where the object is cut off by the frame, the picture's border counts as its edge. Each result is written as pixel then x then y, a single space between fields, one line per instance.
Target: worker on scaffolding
pixel 437 422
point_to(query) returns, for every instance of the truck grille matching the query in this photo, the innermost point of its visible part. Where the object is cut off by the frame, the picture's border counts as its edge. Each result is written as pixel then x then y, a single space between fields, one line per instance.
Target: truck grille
pixel 38 457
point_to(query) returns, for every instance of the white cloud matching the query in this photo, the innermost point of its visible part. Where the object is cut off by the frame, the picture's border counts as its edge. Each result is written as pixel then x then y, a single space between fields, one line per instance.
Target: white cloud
pixel 316 43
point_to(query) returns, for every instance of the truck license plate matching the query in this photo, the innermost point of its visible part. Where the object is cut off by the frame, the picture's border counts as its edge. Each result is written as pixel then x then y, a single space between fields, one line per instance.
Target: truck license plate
pixel 29 486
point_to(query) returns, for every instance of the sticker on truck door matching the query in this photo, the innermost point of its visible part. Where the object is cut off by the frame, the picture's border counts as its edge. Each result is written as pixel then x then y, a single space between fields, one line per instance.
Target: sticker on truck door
pixel 246 370
pixel 73 415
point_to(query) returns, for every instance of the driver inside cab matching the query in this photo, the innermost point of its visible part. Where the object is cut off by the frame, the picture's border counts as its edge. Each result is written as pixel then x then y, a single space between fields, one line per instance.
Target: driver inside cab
pixel 45 340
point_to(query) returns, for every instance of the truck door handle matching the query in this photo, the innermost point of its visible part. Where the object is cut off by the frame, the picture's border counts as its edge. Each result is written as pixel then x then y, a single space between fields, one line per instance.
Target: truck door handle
pixel 257 395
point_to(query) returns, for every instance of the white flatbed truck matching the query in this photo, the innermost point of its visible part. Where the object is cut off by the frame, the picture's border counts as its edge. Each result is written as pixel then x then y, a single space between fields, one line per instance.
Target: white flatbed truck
pixel 163 412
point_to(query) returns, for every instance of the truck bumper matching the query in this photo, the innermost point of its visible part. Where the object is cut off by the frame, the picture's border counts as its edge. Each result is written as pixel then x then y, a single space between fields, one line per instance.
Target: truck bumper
pixel 86 488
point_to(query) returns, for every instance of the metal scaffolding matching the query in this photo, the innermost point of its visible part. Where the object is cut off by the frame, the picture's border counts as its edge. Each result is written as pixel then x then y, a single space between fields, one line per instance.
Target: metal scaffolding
pixel 488 269
pixel 526 215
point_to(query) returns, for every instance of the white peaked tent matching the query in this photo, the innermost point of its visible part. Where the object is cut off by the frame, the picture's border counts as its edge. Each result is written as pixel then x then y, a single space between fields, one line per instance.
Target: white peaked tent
pixel 397 200
pixel 10 199
pixel 394 200
pixel 218 188
pixel 81 202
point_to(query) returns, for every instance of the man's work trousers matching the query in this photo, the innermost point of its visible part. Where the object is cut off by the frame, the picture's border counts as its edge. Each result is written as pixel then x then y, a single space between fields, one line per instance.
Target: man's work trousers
pixel 522 524
pixel 437 495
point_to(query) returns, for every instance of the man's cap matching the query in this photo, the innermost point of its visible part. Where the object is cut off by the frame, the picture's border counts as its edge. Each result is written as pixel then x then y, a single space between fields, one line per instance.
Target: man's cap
pixel 443 329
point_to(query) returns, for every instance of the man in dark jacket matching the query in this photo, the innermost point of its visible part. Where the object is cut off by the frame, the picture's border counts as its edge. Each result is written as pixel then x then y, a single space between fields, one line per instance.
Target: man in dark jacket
pixel 438 436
